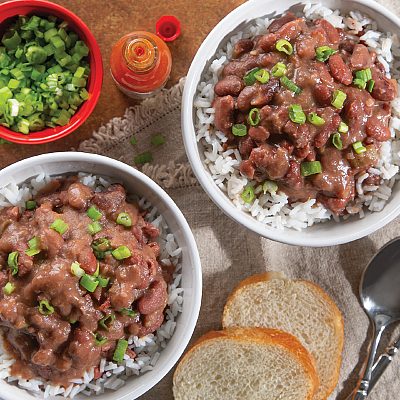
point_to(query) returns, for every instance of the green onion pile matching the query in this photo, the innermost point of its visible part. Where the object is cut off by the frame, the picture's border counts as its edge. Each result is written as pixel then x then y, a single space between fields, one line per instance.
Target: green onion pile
pixel 43 74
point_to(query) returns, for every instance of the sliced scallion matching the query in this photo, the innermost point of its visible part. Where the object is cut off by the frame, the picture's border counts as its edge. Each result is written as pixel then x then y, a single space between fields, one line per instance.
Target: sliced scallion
pixel 323 53
pixel 94 214
pixel 279 70
pixel 239 130
pixel 120 350
pixel 269 187
pixel 76 269
pixel 248 194
pixel 94 227
pixel 343 127
pixel 103 282
pixel 30 205
pixel 99 340
pixel 121 252
pixel 337 141
pixel 254 117
pixel 370 85
pixel 359 83
pixel 129 312
pixel 284 46
pixel 143 158
pixel 310 168
pixel 262 76
pixel 8 288
pixel 315 119
pixel 45 307
pixel 296 114
pixel 107 321
pixel 359 148
pixel 59 226
pixel 285 81
pixel 12 262
pixel 338 99
pixel 250 79
pixel 89 282
pixel 157 140
pixel 124 219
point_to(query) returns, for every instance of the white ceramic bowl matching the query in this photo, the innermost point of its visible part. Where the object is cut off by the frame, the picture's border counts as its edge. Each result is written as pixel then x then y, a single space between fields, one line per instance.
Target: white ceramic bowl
pixel 138 183
pixel 324 234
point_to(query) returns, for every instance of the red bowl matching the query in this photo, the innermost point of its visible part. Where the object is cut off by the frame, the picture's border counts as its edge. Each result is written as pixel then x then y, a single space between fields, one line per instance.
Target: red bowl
pixel 41 7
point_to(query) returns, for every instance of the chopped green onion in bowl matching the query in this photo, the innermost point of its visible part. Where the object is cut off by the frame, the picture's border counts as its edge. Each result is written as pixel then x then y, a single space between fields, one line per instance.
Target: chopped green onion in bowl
pixel 120 350
pixel 279 70
pixel 250 78
pixel 337 141
pixel 45 308
pixel 248 194
pixel 285 81
pixel 254 117
pixel 323 53
pixel 284 46
pixel 239 130
pixel 43 74
pixel 359 147
pixel 315 119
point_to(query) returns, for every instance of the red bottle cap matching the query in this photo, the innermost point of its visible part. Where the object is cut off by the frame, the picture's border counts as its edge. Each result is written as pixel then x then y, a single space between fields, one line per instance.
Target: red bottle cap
pixel 168 28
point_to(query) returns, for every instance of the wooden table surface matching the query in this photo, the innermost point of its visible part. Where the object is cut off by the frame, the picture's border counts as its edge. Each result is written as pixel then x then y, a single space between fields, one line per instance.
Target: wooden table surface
pixel 109 20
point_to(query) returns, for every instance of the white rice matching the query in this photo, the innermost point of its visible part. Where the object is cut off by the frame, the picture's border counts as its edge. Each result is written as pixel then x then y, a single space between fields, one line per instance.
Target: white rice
pixel 147 348
pixel 273 209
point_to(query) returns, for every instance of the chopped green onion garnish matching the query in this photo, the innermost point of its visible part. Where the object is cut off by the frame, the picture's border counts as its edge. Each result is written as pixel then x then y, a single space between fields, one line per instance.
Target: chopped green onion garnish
pixel 315 119
pixel 94 214
pixel 254 117
pixel 96 273
pixel 364 74
pixel 89 282
pixel 45 307
pixel 59 226
pixel 338 99
pixel 248 194
pixel 359 148
pixel 76 269
pixel 250 79
pixel 157 140
pixel 133 140
pixel 99 340
pixel 284 46
pixel 129 312
pixel 121 252
pixel 290 85
pixel 143 158
pixel 359 83
pixel 279 70
pixel 324 52
pixel 296 114
pixel 239 130
pixel 370 85
pixel 103 282
pixel 32 252
pixel 269 186
pixel 94 227
pixel 343 127
pixel 107 321
pixel 120 350
pixel 34 243
pixel 124 219
pixel 310 168
pixel 101 244
pixel 8 288
pixel 337 141
pixel 30 205
pixel 262 75
pixel 12 262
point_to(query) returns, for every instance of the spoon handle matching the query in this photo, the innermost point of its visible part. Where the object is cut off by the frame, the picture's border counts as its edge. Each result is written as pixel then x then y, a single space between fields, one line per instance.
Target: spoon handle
pixel 383 361
pixel 361 390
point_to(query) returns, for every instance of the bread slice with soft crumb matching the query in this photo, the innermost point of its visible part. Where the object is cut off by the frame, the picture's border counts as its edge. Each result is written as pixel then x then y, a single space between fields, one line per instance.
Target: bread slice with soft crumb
pixel 299 307
pixel 246 364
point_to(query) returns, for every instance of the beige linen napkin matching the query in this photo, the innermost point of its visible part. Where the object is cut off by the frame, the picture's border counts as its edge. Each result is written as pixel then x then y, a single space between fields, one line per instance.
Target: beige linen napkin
pixel 230 253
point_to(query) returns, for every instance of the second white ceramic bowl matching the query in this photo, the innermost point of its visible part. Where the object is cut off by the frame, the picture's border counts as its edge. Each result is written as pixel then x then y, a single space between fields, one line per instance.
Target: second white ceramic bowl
pixel 56 164
pixel 324 234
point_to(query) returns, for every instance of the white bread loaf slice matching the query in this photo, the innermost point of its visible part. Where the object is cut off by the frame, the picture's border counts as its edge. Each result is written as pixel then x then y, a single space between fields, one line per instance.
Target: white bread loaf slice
pixel 299 307
pixel 246 364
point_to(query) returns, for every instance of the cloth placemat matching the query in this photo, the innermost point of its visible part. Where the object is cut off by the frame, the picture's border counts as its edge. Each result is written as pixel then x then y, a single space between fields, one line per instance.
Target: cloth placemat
pixel 230 253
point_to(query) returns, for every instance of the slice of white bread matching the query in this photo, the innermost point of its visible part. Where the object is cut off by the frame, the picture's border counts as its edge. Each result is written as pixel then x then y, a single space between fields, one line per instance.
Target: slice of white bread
pixel 299 307
pixel 246 364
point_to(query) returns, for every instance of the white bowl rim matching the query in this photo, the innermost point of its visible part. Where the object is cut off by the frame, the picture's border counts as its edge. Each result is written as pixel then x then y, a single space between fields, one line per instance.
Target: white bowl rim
pixel 233 19
pixel 72 156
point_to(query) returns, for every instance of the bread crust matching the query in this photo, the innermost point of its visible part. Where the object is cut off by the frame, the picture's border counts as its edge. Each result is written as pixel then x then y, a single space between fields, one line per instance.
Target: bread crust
pixel 337 315
pixel 263 337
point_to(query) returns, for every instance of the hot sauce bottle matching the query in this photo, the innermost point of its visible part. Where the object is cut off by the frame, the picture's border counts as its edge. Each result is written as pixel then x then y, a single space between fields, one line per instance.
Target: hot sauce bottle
pixel 140 64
